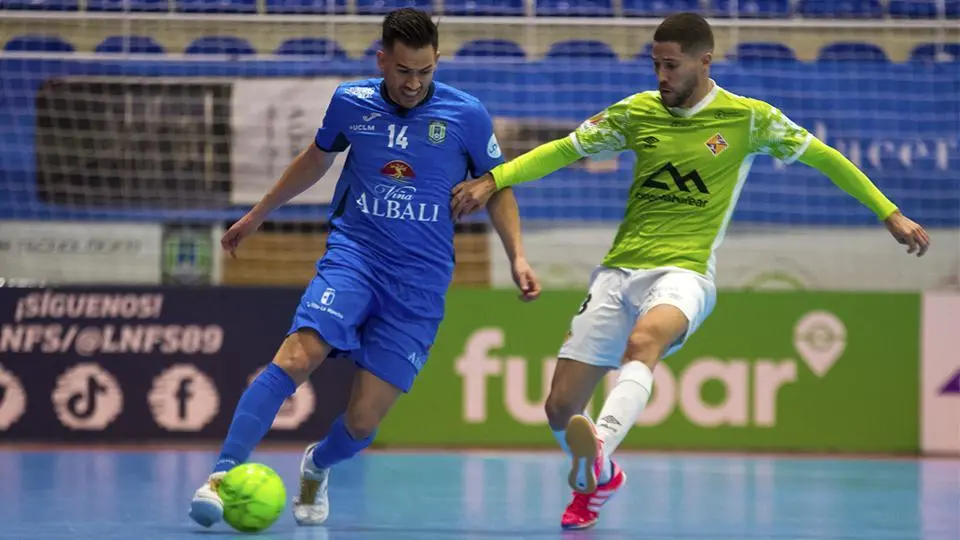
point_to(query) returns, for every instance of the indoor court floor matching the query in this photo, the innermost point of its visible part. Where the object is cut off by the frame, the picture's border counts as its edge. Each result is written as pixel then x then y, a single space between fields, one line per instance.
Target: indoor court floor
pixel 143 495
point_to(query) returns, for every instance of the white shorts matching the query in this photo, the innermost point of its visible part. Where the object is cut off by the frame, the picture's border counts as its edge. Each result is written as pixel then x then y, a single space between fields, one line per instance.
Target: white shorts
pixel 618 297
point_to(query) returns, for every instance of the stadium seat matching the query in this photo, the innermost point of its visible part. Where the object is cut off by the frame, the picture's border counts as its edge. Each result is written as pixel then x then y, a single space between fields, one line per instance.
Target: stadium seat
pixel 130 44
pixel 846 9
pixel 852 51
pixel 38 43
pixel 128 5
pixel 217 6
pixel 42 5
pixel 491 48
pixel 953 9
pixel 574 8
pixel 371 51
pixel 382 7
pixel 231 45
pixel 577 48
pixel 751 9
pixel 312 47
pixel 936 52
pixel 757 52
pixel 646 53
pixel 483 8
pixel 658 8
pixel 315 7
pixel 912 9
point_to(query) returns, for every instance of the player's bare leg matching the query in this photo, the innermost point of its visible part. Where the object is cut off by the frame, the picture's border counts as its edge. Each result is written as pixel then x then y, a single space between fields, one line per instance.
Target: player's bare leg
pixel 298 356
pixel 650 338
pixel 370 400
pixel 654 333
pixel 571 389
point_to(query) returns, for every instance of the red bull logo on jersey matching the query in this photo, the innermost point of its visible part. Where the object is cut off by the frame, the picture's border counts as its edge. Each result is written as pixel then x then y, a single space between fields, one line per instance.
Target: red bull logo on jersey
pixel 399 171
pixel 717 144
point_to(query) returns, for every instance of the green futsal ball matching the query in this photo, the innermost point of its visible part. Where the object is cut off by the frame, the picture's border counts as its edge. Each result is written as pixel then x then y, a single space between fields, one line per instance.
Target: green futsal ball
pixel 253 497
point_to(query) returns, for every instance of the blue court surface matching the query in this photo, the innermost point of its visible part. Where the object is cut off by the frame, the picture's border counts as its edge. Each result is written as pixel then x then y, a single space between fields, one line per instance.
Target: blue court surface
pixel 95 494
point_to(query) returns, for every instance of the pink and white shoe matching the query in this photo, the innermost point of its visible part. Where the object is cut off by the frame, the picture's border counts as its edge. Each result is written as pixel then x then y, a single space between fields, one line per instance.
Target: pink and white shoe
pixel 588 494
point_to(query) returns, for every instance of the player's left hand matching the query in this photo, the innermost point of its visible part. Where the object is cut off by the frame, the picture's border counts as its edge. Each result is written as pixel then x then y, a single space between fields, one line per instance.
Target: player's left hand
pixel 908 233
pixel 472 195
pixel 526 280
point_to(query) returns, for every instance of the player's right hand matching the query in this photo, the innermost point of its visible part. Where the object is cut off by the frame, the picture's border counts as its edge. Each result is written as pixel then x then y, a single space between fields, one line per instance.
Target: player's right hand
pixel 472 195
pixel 243 228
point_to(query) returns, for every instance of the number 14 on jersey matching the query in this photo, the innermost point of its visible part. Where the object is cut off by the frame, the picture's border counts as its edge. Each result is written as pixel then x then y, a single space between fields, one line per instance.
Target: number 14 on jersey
pixel 398 139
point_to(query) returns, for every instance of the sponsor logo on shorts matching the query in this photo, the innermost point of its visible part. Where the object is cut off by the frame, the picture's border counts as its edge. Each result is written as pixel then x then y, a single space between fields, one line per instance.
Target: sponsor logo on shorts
pixel 397 170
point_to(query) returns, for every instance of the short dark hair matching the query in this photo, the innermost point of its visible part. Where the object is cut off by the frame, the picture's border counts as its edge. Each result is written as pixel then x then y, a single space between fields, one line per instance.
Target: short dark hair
pixel 412 27
pixel 690 30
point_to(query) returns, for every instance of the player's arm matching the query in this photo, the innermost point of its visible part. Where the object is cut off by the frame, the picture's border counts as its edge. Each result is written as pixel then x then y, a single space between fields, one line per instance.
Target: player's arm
pixel 842 172
pixel 777 135
pixel 304 171
pixel 603 134
pixel 484 154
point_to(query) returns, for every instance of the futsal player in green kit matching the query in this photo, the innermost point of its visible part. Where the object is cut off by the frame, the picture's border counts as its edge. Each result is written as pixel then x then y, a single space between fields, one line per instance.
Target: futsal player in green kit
pixel 694 143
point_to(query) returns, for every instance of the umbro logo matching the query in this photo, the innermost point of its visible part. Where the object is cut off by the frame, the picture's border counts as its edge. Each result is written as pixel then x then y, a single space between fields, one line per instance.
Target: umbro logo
pixel 649 142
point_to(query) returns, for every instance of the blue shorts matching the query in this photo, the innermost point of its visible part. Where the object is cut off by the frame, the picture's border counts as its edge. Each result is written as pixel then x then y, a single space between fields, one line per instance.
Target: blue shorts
pixel 385 326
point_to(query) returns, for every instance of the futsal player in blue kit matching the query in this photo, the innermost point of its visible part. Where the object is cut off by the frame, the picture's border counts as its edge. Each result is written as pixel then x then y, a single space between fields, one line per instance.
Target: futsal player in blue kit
pixel 379 291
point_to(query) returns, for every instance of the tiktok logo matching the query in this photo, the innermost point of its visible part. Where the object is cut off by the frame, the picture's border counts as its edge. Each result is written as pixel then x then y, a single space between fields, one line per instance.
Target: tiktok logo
pixel 87 397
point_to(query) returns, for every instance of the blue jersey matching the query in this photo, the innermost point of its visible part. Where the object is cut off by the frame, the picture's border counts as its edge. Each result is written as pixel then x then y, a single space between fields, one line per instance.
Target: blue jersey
pixel 391 205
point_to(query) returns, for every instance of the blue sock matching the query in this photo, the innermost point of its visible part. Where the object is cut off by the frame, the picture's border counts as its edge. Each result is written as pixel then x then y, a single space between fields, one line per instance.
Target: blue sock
pixel 338 445
pixel 256 411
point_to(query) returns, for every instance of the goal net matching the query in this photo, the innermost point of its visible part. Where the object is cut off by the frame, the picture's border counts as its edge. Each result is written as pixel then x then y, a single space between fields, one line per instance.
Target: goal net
pixel 130 140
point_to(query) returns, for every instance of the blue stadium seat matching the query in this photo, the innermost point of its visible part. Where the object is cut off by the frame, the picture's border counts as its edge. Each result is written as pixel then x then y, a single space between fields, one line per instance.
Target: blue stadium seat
pixel 490 48
pixel 953 9
pixel 646 53
pixel 847 9
pixel 42 5
pixel 658 8
pixel 852 51
pixel 483 8
pixel 307 6
pixel 128 5
pixel 371 51
pixel 130 44
pixel 231 45
pixel 217 6
pixel 312 47
pixel 751 9
pixel 577 48
pixel 574 8
pixel 761 51
pixel 936 52
pixel 38 43
pixel 382 7
pixel 913 9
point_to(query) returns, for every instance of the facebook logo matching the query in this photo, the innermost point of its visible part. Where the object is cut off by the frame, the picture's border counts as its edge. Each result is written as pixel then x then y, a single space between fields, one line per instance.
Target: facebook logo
pixel 183 398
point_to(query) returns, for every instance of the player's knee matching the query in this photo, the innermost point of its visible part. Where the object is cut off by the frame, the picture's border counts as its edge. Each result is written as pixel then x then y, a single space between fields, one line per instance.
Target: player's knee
pixel 361 423
pixel 560 410
pixel 645 345
pixel 299 355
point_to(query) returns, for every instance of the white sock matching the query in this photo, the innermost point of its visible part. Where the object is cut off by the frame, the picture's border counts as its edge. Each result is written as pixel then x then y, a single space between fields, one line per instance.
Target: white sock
pixel 621 410
pixel 561 437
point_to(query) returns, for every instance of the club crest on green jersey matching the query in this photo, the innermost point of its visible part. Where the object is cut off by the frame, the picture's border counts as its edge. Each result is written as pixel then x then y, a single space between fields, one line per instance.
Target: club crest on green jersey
pixel 716 144
pixel 437 132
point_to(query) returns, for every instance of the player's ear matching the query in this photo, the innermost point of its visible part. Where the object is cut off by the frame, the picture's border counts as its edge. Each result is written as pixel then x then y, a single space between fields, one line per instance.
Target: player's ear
pixel 381 60
pixel 707 58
